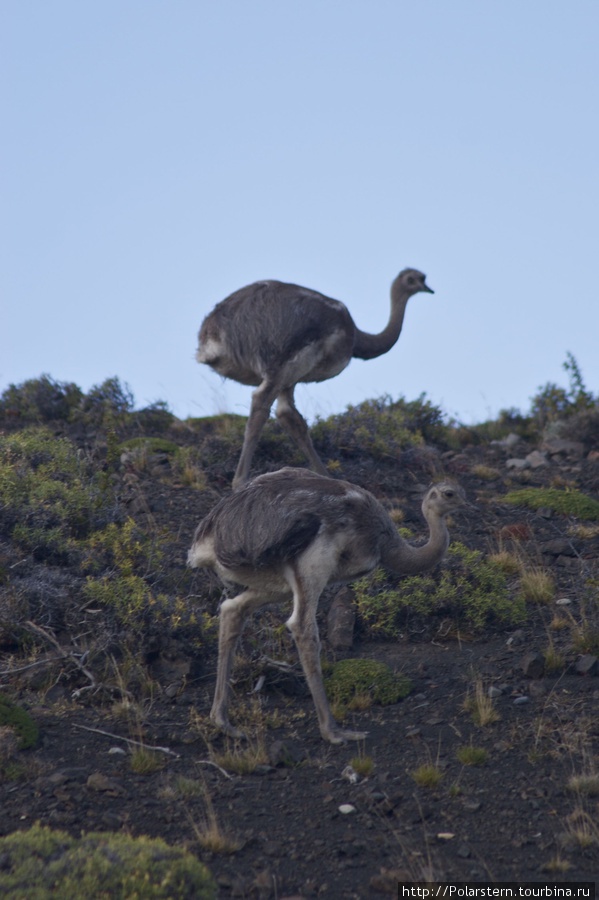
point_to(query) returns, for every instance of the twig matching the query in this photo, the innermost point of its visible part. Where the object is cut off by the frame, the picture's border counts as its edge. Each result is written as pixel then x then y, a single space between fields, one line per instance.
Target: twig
pixel 38 662
pixel 65 654
pixel 208 762
pixel 118 737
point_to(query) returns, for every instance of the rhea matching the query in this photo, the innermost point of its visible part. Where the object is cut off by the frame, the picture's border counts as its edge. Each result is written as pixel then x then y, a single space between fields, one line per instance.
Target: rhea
pixel 274 335
pixel 286 535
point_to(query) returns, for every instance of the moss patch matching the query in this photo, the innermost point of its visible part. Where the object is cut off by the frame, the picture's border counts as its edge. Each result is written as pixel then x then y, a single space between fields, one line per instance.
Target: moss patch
pixel 41 863
pixel 352 678
pixel 566 502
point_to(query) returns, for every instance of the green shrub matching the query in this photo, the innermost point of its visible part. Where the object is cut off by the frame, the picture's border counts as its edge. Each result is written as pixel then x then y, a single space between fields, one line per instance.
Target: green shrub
pixel 351 678
pixel 553 402
pixel 470 588
pixel 42 863
pixel 568 502
pixel 18 719
pixel 41 400
pixel 381 428
pixel 48 496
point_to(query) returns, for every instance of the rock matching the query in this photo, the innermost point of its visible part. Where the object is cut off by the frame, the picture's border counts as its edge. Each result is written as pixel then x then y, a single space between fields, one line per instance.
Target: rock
pixel 556 446
pixel 533 665
pixel 341 620
pixel 536 459
pixel 102 783
pixel 515 463
pixel 558 547
pixel 521 701
pixel 587 665
pixel 280 753
pixel 347 808
pixel 494 692
pixel 563 601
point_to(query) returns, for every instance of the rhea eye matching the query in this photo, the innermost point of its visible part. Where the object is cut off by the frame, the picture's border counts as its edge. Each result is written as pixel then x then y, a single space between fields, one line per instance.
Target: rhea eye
pixel 449 493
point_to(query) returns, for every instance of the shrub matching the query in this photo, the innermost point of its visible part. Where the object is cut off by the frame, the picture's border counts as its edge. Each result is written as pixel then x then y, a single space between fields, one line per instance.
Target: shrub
pixel 470 588
pixel 48 496
pixel 20 721
pixel 351 678
pixel 41 862
pixel 41 400
pixel 381 428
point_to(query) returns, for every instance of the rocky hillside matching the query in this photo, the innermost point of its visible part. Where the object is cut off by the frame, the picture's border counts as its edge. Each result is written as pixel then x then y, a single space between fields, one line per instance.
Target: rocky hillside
pixel 487 769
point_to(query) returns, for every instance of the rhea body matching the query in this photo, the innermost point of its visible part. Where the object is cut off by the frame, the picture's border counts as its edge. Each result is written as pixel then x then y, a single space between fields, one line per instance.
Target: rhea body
pixel 274 335
pixel 286 536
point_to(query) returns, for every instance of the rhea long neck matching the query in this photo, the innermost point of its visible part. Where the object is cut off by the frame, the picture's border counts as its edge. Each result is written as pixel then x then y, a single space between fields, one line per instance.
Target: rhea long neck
pixel 401 557
pixel 367 346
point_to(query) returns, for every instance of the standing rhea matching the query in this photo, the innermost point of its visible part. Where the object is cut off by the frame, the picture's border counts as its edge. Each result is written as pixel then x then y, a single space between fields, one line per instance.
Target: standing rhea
pixel 288 534
pixel 275 335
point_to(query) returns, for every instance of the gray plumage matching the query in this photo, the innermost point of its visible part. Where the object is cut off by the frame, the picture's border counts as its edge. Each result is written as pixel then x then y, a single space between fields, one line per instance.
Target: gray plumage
pixel 273 335
pixel 289 534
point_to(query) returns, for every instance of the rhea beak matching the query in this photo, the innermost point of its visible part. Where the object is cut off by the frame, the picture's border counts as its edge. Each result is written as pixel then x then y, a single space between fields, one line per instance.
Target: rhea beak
pixel 426 288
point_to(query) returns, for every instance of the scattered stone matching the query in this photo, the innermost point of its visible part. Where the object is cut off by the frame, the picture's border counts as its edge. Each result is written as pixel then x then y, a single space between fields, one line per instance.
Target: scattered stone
pixel 117 751
pixel 520 701
pixel 545 512
pixel 563 601
pixel 282 753
pixel 517 464
pixel 463 851
pixel 341 620
pixel 446 835
pixel 347 808
pixel 558 547
pixel 533 665
pixel 494 692
pixel 536 459
pixel 555 446
pixel 516 638
pixel 587 665
pixel 102 783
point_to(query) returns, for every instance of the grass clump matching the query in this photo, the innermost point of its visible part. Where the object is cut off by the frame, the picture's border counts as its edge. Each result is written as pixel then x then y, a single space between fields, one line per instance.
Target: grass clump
pixel 353 680
pixel 427 775
pixel 569 502
pixel 41 862
pixel 470 588
pixel 145 762
pixel 537 586
pixel 472 756
pixel 481 707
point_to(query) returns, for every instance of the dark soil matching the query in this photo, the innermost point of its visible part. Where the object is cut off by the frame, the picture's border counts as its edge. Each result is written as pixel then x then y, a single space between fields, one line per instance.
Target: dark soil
pixel 514 818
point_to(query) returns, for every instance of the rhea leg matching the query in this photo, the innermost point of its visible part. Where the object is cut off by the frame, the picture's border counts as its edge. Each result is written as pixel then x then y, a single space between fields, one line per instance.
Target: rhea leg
pixel 262 400
pixel 295 425
pixel 233 613
pixel 302 625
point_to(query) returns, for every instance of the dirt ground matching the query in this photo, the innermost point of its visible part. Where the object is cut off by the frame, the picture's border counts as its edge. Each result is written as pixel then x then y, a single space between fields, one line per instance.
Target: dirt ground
pixel 297 826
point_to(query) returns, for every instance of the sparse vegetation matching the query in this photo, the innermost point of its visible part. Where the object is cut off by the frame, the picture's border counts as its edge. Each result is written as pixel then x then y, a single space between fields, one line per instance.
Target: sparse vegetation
pixel 41 862
pixel 469 588
pixel 353 679
pixel 427 775
pixel 481 706
pixel 472 756
pixel 101 625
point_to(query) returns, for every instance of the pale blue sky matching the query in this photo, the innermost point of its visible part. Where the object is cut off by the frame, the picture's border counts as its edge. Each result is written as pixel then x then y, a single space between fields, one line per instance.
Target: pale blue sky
pixel 156 156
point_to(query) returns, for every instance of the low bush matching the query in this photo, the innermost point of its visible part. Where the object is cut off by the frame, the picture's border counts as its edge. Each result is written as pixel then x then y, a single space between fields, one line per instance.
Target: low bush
pixel 42 862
